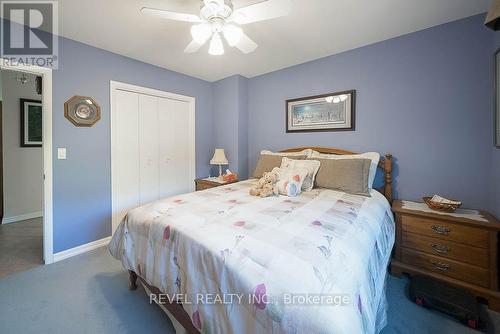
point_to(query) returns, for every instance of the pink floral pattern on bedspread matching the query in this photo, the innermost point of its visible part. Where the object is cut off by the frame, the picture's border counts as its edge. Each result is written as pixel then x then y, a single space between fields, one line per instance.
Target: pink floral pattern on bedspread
pixel 222 241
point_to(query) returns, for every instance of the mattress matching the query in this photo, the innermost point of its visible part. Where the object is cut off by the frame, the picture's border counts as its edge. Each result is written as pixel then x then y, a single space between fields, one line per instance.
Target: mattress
pixel 314 263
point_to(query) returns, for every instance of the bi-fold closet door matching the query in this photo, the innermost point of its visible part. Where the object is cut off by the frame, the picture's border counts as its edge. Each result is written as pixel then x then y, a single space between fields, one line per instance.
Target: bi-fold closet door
pixel 153 149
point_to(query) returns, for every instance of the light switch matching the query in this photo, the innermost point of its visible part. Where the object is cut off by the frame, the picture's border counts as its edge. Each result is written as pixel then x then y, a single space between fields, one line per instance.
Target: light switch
pixel 61 153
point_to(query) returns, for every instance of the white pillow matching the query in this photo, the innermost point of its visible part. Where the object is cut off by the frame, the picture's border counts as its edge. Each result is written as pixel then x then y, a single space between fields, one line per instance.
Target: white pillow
pixel 312 167
pixel 373 156
pixel 306 152
pixel 290 181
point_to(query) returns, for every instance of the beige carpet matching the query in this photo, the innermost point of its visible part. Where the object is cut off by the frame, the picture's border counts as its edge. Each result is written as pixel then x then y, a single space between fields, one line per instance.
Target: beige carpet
pixel 20 246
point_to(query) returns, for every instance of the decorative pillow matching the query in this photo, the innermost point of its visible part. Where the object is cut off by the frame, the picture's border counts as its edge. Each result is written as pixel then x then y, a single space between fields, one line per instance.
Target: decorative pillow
pixel 268 160
pixel 347 175
pixel 291 180
pixel 374 157
pixel 311 166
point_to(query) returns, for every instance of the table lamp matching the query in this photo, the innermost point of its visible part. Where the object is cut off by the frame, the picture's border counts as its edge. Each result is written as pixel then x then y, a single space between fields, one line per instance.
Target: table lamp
pixel 220 159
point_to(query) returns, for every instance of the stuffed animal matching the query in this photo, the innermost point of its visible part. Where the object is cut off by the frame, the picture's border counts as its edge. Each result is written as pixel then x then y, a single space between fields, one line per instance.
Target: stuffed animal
pixel 267 184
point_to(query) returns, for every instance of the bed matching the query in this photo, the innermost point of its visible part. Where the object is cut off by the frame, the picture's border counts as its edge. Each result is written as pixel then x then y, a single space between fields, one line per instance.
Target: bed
pixel 222 261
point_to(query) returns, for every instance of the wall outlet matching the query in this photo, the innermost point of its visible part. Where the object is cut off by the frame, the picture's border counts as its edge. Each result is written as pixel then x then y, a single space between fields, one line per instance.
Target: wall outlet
pixel 61 153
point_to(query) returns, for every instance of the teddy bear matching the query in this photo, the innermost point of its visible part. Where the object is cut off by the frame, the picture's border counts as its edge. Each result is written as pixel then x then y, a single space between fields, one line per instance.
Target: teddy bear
pixel 267 184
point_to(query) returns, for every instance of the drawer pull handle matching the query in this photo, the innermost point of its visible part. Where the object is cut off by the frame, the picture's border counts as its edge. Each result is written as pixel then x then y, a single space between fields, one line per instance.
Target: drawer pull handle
pixel 440 248
pixel 440 265
pixel 441 229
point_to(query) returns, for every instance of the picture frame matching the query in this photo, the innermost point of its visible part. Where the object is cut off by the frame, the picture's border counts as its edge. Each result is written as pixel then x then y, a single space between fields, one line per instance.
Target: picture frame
pixel 496 97
pixel 82 111
pixel 31 123
pixel 326 112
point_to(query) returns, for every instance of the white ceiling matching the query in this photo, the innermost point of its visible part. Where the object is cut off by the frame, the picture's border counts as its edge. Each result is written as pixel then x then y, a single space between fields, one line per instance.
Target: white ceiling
pixel 314 29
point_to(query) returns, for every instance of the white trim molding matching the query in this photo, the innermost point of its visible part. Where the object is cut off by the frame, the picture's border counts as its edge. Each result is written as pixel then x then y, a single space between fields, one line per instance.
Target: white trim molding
pixel 46 74
pixel 115 86
pixel 18 218
pixel 81 249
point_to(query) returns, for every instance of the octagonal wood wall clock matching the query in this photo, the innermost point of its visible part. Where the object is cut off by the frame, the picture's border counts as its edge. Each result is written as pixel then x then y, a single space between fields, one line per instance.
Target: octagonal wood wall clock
pixel 82 111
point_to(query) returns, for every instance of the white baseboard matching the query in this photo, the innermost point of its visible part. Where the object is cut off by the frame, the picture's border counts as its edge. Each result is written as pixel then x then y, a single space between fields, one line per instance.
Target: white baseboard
pixel 14 219
pixel 81 249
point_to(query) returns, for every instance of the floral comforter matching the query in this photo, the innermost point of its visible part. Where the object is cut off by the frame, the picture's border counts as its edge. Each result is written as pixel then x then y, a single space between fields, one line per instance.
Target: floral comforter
pixel 315 263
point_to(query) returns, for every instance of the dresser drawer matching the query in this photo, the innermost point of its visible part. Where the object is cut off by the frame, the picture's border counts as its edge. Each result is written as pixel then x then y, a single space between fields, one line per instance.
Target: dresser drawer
pixel 447 249
pixel 446 231
pixel 447 267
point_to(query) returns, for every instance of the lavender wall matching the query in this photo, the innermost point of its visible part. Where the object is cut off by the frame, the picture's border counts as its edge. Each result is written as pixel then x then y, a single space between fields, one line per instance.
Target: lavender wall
pixel 495 183
pixel 82 183
pixel 424 97
pixel 495 161
pixel 243 127
pixel 230 122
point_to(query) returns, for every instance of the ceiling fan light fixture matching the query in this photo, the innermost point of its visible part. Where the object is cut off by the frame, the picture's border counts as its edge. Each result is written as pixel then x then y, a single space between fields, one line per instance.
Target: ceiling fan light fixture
pixel 219 19
pixel 201 32
pixel 216 47
pixel 232 34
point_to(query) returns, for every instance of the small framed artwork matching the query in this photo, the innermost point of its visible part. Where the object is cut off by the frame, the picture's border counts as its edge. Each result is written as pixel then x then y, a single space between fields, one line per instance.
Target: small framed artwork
pixel 31 123
pixel 82 111
pixel 327 112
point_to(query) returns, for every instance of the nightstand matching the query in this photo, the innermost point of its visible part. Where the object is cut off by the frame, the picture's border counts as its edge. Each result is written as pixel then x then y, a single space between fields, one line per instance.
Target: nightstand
pixel 209 182
pixel 460 248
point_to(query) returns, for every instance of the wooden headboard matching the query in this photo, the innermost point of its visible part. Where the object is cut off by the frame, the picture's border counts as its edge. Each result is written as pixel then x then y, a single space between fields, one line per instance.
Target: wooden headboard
pixel 385 164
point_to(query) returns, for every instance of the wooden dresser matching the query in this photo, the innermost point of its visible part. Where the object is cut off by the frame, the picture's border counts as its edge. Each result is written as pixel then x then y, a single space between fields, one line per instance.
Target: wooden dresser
pixel 460 249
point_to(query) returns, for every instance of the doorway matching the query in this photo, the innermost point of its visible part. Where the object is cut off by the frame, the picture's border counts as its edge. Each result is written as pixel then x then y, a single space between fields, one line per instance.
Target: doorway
pixel 26 216
pixel 21 231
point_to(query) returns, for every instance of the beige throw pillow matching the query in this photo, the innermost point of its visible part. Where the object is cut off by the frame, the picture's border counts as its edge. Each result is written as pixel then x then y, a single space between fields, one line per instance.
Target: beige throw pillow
pixel 373 156
pixel 347 175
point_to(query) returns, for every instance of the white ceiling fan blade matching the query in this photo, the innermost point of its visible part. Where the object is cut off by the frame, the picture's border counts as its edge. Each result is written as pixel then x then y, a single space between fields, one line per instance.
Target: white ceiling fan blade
pixel 170 15
pixel 246 44
pixel 265 10
pixel 193 47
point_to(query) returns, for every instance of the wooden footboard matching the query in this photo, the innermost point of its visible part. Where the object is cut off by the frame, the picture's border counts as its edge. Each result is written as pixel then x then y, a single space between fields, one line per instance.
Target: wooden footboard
pixel 175 309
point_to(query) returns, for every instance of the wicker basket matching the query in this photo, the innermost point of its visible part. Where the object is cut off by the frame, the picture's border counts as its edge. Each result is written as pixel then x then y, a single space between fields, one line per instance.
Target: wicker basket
pixel 440 206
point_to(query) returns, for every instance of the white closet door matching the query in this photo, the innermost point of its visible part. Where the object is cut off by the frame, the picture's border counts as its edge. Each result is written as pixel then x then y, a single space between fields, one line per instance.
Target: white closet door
pixel 149 149
pixel 175 169
pixel 126 134
pixel 152 146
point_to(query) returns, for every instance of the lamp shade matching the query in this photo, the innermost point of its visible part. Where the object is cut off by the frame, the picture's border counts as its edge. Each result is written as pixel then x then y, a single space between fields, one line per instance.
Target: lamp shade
pixel 219 157
pixel 493 18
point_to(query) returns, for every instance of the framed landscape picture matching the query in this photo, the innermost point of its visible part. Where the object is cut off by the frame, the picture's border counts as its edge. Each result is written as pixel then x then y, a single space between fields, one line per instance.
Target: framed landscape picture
pixel 327 112
pixel 31 123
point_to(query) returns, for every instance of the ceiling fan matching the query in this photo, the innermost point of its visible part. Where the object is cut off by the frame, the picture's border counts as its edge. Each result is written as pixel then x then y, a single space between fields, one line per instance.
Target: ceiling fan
pixel 219 17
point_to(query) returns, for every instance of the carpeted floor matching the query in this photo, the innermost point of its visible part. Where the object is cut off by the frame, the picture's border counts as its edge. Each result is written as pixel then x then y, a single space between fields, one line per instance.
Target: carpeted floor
pixel 89 294
pixel 20 246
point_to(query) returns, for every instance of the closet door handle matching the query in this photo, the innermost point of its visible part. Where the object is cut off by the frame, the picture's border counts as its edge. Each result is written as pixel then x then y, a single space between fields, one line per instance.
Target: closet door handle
pixel 441 229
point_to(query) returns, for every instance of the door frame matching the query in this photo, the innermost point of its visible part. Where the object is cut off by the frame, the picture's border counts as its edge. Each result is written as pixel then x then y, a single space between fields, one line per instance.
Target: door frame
pixel 46 74
pixel 116 86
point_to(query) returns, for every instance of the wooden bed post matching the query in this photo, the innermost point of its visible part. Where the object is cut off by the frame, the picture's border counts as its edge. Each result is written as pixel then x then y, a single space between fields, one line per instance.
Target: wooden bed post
pixel 132 279
pixel 388 177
